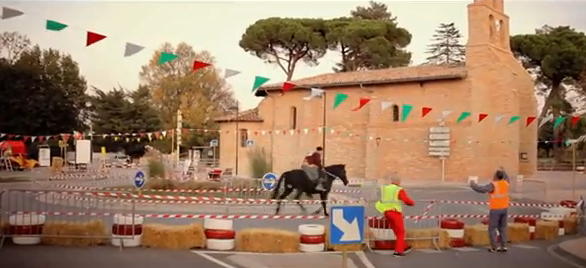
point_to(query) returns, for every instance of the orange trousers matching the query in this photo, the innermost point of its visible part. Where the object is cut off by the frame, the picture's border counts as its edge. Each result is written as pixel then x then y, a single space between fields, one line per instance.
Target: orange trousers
pixel 395 220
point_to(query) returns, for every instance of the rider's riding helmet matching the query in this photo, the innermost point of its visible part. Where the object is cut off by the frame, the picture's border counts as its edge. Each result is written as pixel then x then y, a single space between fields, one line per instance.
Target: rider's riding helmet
pixel 319 149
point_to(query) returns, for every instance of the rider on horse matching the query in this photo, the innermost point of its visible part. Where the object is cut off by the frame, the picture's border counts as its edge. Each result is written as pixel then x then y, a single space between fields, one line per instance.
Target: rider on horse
pixel 312 165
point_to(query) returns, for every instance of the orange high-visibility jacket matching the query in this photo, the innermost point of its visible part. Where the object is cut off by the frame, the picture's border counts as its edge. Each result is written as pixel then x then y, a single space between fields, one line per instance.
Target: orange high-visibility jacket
pixel 499 198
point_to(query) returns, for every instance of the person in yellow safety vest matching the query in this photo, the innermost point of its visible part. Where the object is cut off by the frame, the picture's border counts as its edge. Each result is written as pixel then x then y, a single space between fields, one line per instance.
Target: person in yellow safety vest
pixel 391 196
pixel 498 191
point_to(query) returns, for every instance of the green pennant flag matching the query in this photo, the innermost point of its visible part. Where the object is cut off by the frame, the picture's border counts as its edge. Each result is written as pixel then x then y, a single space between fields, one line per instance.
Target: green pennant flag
pixel 339 99
pixel 166 57
pixel 463 116
pixel 514 119
pixel 259 81
pixel 558 121
pixel 52 25
pixel 568 142
pixel 406 111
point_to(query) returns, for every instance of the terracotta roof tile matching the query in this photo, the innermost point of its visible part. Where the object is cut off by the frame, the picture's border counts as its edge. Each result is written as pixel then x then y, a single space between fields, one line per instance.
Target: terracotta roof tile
pixel 244 116
pixel 373 77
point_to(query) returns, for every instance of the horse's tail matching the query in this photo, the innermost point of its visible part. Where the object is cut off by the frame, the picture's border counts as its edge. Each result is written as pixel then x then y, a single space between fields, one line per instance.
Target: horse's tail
pixel 276 190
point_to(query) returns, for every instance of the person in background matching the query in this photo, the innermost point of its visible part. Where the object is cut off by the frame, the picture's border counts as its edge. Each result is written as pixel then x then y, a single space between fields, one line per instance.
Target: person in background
pixel 391 199
pixel 498 191
pixel 312 165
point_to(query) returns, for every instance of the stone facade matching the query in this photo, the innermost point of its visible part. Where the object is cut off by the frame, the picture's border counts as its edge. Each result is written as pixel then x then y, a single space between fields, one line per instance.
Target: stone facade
pixel 491 82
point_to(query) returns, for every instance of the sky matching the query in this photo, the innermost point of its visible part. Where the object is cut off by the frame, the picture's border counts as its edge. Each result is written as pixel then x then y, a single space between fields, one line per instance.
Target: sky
pixel 216 26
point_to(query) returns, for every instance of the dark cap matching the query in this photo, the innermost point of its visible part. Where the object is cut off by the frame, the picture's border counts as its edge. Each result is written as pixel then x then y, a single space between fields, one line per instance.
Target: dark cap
pixel 319 148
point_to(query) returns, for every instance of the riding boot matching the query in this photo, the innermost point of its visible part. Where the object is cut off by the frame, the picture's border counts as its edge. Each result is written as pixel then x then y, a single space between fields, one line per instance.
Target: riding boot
pixel 320 187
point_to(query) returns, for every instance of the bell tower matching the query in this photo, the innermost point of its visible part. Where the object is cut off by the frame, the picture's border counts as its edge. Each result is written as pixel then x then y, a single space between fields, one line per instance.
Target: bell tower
pixel 488 24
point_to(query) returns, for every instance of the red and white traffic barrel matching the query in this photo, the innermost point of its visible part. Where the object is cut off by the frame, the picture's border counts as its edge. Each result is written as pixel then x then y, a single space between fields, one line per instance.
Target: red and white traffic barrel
pixel 455 229
pixel 312 238
pixel 568 203
pixel 384 236
pixel 127 230
pixel 531 222
pixel 26 229
pixel 557 214
pixel 220 234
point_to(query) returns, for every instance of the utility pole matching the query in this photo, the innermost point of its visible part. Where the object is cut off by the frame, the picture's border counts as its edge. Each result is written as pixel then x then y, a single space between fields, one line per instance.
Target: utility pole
pixel 324 131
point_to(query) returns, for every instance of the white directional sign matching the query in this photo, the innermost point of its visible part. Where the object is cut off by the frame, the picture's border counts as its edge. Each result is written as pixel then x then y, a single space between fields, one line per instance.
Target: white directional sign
pixel 346 225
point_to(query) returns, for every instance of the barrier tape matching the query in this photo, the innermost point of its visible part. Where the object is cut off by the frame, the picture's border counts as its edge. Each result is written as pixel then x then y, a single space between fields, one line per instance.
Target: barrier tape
pixel 426 211
pixel 513 204
pixel 222 190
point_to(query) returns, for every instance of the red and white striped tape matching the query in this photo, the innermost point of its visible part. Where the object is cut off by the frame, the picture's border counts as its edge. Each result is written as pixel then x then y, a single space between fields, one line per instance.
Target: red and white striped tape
pixel 425 211
pixel 513 204
pixel 222 190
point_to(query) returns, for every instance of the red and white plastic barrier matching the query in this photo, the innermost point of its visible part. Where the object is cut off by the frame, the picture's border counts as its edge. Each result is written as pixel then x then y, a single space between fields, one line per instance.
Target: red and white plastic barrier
pixel 127 230
pixel 455 229
pixel 531 222
pixel 220 234
pixel 26 228
pixel 384 236
pixel 312 238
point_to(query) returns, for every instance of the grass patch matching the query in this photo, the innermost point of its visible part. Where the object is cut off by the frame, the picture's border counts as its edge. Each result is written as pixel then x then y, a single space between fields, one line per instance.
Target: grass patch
pixel 260 162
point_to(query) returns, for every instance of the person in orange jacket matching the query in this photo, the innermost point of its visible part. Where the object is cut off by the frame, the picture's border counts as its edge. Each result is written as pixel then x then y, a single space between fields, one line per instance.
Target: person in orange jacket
pixel 391 199
pixel 498 191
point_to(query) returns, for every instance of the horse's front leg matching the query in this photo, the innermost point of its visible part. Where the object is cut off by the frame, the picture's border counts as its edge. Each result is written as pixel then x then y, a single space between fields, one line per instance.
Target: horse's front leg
pixel 297 196
pixel 323 198
pixel 284 195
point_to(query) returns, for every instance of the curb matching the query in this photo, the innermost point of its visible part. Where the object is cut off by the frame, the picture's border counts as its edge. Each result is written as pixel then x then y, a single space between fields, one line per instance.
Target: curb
pixel 566 256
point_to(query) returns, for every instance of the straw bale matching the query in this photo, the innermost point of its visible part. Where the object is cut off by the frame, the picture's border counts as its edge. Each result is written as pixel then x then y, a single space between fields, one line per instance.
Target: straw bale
pixel 423 238
pixel 547 230
pixel 368 234
pixel 266 240
pixel 173 236
pixel 518 232
pixel 571 225
pixel 76 234
pixel 476 235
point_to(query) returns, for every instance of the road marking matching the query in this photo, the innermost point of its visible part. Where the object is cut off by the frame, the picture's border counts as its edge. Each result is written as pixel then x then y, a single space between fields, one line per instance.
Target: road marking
pixel 525 246
pixel 551 251
pixel 364 259
pixel 257 253
pixel 466 249
pixel 214 260
pixel 429 251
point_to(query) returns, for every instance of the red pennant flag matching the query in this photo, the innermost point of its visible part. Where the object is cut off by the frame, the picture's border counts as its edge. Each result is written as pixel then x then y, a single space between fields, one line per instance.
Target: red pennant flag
pixel 481 117
pixel 185 130
pixel 199 65
pixel 575 120
pixel 26 138
pixel 363 101
pixel 287 86
pixel 93 38
pixel 65 137
pixel 41 138
pixel 530 120
pixel 425 111
pixel 10 136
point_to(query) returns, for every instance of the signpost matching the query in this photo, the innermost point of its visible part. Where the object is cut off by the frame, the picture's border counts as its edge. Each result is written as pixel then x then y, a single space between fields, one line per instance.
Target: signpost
pixel 439 145
pixel 249 143
pixel 347 227
pixel 214 143
pixel 269 181
pixel 139 180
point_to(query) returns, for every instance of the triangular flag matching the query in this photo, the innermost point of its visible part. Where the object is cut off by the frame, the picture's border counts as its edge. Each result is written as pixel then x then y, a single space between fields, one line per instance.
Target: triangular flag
pixel 198 65
pixel 446 113
pixel 498 118
pixel 425 111
pixel 363 101
pixel 575 120
pixel 558 121
pixel 229 73
pixel 530 120
pixel 8 13
pixel 2 135
pixel 132 49
pixel 385 105
pixel 93 38
pixel 481 117
pixel 52 25
pixel 166 57
pixel 259 81
pixel 545 120
pixel 463 116
pixel 514 119
pixel 339 99
pixel 314 93
pixel 287 86
pixel 407 108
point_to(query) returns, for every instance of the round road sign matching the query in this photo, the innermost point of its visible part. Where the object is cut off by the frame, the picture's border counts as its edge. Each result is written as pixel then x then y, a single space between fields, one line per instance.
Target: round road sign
pixel 269 181
pixel 139 180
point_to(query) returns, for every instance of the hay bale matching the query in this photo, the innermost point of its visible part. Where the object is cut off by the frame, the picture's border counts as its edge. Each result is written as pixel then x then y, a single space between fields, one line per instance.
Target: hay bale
pixel 547 230
pixel 173 236
pixel 476 235
pixel 368 234
pixel 518 232
pixel 266 240
pixel 64 233
pixel 423 238
pixel 571 225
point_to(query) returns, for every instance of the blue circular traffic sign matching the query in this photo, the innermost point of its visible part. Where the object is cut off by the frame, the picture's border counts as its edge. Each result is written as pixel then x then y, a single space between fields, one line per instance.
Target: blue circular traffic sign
pixel 269 181
pixel 139 180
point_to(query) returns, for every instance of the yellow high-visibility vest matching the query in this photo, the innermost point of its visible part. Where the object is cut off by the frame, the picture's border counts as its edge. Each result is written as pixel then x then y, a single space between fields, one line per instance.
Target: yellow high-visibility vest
pixel 390 199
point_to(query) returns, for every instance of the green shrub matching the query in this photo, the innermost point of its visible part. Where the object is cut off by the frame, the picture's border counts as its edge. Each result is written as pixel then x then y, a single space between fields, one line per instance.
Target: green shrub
pixel 156 168
pixel 260 162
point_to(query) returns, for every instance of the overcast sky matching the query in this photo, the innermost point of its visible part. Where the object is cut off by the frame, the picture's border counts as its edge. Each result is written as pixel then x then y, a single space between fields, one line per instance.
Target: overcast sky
pixel 217 27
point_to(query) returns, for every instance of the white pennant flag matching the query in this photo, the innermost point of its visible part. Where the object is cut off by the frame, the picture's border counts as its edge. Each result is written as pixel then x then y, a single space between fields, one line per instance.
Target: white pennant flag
pixel 385 105
pixel 446 113
pixel 150 136
pixel 545 120
pixel 33 138
pixel 164 133
pixel 291 132
pixel 263 132
pixel 498 118
pixel 314 93
pixel 305 130
pixel 2 135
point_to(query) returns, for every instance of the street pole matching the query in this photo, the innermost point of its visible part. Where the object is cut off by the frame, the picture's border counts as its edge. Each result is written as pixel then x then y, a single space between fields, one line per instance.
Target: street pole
pixel 237 134
pixel 178 133
pixel 324 131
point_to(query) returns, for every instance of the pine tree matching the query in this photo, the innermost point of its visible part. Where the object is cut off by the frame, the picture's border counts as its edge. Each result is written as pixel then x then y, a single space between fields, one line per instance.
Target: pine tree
pixel 446 47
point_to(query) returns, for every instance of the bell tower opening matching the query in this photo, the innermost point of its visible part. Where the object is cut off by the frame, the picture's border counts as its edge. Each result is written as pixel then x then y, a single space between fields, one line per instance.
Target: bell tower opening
pixel 488 24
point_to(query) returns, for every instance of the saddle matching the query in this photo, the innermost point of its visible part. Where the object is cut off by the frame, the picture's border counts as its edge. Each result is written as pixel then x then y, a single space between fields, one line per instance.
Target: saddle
pixel 311 171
